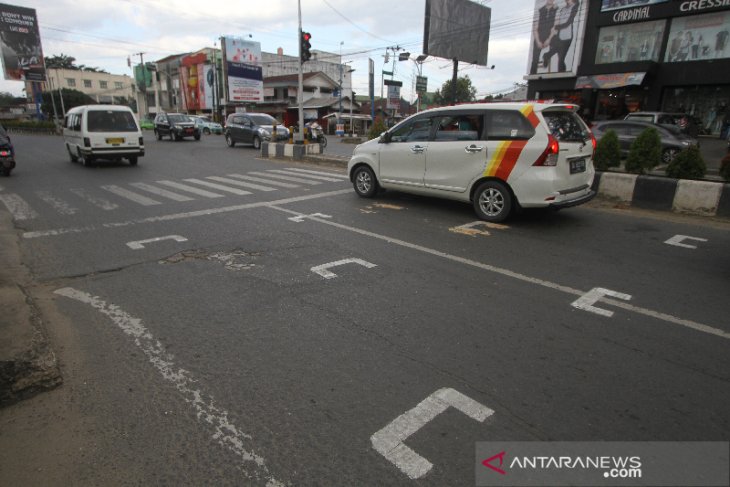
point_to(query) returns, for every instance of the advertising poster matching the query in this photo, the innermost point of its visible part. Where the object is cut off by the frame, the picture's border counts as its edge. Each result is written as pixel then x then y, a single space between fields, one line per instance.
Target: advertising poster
pixel 631 42
pixel 607 5
pixel 699 37
pixel 557 30
pixel 192 77
pixel 393 97
pixel 245 74
pixel 20 43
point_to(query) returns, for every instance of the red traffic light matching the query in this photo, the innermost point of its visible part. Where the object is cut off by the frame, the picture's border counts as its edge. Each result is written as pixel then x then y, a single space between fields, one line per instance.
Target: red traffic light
pixel 306 36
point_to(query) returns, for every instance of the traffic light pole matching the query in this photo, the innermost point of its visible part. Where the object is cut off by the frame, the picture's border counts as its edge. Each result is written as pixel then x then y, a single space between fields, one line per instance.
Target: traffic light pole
pixel 300 89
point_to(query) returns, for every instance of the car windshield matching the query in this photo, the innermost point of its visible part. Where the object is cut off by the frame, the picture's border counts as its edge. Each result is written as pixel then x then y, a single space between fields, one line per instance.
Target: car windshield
pixel 566 126
pixel 263 119
pixel 111 121
pixel 178 118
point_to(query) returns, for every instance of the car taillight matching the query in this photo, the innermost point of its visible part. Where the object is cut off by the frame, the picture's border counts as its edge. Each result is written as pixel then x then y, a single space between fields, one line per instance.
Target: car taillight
pixel 594 143
pixel 87 142
pixel 549 157
pixel 141 141
pixel 4 153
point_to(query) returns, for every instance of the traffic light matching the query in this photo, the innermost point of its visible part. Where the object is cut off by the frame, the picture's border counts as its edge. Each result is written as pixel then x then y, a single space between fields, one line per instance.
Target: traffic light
pixel 306 55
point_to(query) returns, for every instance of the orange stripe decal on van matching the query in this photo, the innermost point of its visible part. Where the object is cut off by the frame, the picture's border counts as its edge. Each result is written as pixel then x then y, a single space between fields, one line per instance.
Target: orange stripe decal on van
pixel 529 113
pixel 504 159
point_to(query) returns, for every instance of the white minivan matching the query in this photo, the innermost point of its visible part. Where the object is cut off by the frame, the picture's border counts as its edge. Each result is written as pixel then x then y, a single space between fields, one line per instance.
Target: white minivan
pixel 109 132
pixel 498 156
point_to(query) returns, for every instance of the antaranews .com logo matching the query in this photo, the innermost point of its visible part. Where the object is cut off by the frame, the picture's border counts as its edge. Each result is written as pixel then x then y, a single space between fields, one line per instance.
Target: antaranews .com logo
pixel 597 463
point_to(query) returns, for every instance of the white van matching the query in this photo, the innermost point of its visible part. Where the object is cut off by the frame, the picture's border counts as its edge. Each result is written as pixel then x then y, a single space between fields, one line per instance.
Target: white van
pixel 102 132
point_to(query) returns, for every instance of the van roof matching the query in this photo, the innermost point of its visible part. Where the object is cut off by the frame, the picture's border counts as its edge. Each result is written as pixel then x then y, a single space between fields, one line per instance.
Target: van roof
pixel 537 106
pixel 100 107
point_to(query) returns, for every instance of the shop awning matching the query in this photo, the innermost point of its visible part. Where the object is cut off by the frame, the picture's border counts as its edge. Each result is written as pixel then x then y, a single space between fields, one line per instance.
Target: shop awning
pixel 609 81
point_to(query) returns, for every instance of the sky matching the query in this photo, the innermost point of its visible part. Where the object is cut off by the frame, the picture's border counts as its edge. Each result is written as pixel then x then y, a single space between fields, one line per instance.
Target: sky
pixel 105 34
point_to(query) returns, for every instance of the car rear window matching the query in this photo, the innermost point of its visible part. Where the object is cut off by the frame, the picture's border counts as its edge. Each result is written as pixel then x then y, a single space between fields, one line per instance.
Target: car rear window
pixel 566 126
pixel 641 118
pixel 508 125
pixel 178 118
pixel 111 121
pixel 263 119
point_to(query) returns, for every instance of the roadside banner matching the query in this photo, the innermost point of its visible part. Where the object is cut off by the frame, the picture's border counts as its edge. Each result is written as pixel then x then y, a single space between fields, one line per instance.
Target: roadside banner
pixel 243 68
pixel 20 43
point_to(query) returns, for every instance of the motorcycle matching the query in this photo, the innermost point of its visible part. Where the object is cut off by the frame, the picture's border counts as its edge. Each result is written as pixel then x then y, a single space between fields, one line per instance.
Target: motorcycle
pixel 7 154
pixel 318 136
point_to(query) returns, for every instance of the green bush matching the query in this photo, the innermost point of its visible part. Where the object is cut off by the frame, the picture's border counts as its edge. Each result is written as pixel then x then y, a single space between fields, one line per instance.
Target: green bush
pixel 725 167
pixel 377 128
pixel 688 164
pixel 645 152
pixel 27 124
pixel 608 151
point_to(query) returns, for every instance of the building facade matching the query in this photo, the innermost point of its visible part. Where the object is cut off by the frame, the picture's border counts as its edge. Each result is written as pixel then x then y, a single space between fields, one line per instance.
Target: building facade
pixel 102 87
pixel 658 55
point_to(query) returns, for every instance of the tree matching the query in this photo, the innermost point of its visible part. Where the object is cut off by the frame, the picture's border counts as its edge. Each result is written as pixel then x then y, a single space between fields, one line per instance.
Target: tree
pixel 71 98
pixel 645 152
pixel 10 100
pixel 377 128
pixel 465 92
pixel 688 164
pixel 608 151
pixel 62 61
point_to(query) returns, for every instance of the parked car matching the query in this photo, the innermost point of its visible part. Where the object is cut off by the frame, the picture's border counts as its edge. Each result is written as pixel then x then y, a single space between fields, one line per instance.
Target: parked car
pixel 109 132
pixel 498 156
pixel 147 124
pixel 672 138
pixel 176 126
pixel 206 125
pixel 253 128
pixel 688 124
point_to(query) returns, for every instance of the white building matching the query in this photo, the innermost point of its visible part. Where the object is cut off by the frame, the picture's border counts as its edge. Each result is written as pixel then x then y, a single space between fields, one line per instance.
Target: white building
pixel 102 87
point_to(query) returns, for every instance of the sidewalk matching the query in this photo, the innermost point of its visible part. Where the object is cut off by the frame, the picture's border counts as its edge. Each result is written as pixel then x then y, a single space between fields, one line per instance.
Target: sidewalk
pixel 27 364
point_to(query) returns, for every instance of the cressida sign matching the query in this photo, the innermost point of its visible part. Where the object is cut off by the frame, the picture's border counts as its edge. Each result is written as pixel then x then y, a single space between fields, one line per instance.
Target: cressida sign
pixel 602 463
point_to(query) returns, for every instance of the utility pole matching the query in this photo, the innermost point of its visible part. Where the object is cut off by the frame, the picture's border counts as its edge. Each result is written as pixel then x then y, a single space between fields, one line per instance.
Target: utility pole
pixel 143 88
pixel 300 87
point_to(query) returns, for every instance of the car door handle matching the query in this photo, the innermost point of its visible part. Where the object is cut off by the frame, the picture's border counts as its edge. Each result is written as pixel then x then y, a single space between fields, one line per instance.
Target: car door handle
pixel 474 148
pixel 417 149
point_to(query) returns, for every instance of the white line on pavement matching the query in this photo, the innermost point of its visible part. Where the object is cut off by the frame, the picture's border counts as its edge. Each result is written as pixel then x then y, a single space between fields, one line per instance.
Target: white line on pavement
pixel 310 176
pixel 265 181
pixel 18 207
pixel 323 270
pixel 678 239
pixel 321 173
pixel 240 183
pixel 98 202
pixel 139 244
pixel 224 432
pixel 516 275
pixel 161 192
pixel 58 204
pixel 190 189
pixel 284 178
pixel 182 216
pixel 131 195
pixel 219 187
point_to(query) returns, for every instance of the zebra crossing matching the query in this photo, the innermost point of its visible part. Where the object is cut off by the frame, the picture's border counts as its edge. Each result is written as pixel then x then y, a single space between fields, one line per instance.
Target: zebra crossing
pixel 110 197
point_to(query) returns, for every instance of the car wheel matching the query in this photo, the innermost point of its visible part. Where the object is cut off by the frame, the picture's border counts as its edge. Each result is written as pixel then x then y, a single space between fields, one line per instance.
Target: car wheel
pixel 71 155
pixel 364 182
pixel 256 143
pixel 133 160
pixel 492 201
pixel 197 136
pixel 85 160
pixel 158 135
pixel 668 155
pixel 230 141
pixel 206 131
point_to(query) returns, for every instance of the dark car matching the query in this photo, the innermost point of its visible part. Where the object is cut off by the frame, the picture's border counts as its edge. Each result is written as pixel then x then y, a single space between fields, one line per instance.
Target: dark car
pixel 672 139
pixel 253 128
pixel 176 126
pixel 688 124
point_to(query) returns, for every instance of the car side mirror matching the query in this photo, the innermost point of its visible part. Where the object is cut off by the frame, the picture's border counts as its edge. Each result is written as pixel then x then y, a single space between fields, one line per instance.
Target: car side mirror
pixel 384 138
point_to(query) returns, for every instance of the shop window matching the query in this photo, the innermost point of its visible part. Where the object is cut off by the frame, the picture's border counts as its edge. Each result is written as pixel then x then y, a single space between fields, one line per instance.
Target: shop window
pixel 699 37
pixel 630 42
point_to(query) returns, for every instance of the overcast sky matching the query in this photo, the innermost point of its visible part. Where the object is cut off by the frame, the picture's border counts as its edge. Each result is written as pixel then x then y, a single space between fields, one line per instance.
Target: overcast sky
pixel 103 34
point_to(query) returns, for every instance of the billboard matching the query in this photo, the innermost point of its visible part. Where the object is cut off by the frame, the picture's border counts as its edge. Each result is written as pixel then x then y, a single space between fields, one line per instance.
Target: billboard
pixel 20 43
pixel 699 37
pixel 244 74
pixel 457 29
pixel 557 32
pixel 197 79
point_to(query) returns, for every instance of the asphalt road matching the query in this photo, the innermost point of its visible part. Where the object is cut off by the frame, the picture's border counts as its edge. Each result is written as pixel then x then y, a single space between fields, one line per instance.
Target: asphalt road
pixel 275 336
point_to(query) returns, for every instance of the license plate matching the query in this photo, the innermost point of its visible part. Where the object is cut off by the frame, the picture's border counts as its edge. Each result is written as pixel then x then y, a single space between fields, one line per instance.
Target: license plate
pixel 189 131
pixel 577 165
pixel 115 140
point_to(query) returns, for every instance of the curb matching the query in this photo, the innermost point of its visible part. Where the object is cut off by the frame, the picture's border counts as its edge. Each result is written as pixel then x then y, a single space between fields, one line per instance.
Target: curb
pixel 27 363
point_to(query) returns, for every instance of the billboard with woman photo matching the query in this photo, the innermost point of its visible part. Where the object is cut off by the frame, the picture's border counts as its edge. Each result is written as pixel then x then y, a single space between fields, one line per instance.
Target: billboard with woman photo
pixel 557 31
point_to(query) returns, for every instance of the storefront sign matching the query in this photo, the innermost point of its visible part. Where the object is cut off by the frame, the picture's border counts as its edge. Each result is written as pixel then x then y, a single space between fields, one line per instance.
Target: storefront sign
pixel 607 5
pixel 609 81
pixel 626 11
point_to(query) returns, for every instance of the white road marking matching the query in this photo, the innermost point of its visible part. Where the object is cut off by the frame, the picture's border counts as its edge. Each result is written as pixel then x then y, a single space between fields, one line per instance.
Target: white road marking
pixel 219 187
pixel 59 205
pixel 389 440
pixel 240 183
pixel 139 244
pixel 131 195
pixel 323 271
pixel 181 216
pixel 515 275
pixel 678 239
pixel 190 189
pixel 471 228
pixel 18 207
pixel 310 176
pixel 321 173
pixel 265 181
pixel 204 404
pixel 284 178
pixel 300 219
pixel 587 301
pixel 98 202
pixel 161 192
